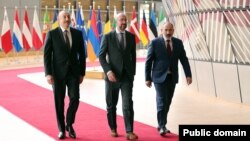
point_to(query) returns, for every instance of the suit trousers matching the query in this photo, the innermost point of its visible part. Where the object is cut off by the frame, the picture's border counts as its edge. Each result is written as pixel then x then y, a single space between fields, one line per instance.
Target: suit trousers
pixel 112 95
pixel 164 95
pixel 59 89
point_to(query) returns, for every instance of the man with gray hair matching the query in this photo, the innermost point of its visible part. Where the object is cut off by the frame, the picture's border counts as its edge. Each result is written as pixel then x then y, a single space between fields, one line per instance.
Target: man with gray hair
pixel 65 64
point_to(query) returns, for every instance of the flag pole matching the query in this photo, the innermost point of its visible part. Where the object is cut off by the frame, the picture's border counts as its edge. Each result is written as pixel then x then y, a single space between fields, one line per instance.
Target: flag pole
pixel 79 4
pixel 36 58
pixel 7 59
pixel 72 8
pixel 92 15
pixel 27 52
pixel 69 6
pixel 124 11
pixel 15 52
pixel 93 5
pixel 27 57
pixel 97 21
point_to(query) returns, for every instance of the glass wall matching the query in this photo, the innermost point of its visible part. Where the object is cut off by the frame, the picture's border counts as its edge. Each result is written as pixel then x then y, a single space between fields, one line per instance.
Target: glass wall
pixel 213 30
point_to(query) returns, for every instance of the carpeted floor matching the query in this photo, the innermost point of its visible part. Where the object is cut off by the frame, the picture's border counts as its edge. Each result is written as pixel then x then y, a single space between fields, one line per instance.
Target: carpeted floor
pixel 35 105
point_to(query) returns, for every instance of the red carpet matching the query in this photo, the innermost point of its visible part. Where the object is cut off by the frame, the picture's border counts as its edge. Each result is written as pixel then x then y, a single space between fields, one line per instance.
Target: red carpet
pixel 35 105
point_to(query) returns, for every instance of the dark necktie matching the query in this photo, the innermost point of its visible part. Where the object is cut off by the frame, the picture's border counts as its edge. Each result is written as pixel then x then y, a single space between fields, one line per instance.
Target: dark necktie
pixel 169 47
pixel 122 41
pixel 67 38
pixel 169 51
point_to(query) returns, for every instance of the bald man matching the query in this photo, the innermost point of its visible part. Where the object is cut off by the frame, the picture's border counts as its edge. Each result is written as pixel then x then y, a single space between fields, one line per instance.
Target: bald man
pixel 118 60
pixel 65 64
pixel 161 67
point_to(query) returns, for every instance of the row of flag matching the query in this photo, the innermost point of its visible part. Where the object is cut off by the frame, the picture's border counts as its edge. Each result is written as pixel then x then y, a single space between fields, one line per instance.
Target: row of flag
pixel 25 38
pixel 21 38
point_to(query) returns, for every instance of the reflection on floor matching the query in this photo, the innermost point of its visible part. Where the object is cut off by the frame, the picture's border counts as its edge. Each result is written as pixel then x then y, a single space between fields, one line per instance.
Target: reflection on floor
pixel 188 107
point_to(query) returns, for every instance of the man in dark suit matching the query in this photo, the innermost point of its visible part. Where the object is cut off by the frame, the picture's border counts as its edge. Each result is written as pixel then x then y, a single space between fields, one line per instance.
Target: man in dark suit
pixel 118 60
pixel 65 64
pixel 162 68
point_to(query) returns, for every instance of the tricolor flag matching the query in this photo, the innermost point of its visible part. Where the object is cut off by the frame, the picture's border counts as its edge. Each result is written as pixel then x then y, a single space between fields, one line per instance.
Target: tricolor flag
pixel 46 23
pixel 93 46
pixel 99 24
pixel 37 39
pixel 80 26
pixel 107 25
pixel 114 19
pixel 84 31
pixel 83 22
pixel 152 26
pixel 55 22
pixel 27 38
pixel 134 26
pixel 89 20
pixel 144 31
pixel 17 34
pixel 6 35
pixel 162 20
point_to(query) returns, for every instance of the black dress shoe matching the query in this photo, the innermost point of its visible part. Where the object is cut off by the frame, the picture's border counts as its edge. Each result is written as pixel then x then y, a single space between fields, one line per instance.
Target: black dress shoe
pixel 114 133
pixel 163 131
pixel 61 135
pixel 71 131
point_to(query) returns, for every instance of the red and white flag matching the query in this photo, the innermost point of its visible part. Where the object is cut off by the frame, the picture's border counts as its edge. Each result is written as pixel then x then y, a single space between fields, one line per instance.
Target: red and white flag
pixel 134 26
pixel 6 35
pixel 27 38
pixel 73 18
pixel 36 32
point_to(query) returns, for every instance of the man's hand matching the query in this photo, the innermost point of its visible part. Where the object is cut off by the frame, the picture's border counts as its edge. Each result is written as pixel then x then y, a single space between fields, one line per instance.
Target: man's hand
pixel 189 80
pixel 50 79
pixel 81 79
pixel 148 83
pixel 111 76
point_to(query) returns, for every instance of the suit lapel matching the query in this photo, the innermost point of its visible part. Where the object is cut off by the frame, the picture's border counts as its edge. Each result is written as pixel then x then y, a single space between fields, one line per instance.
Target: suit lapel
pixel 174 46
pixel 162 44
pixel 116 43
pixel 61 34
pixel 127 39
pixel 62 38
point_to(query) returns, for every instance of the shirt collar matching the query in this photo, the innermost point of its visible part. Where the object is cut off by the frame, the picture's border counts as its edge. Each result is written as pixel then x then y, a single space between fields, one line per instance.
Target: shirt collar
pixel 118 31
pixel 165 38
pixel 64 29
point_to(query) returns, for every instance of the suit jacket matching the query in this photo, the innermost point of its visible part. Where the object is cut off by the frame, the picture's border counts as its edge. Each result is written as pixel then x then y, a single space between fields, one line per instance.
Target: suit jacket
pixel 58 58
pixel 116 59
pixel 158 61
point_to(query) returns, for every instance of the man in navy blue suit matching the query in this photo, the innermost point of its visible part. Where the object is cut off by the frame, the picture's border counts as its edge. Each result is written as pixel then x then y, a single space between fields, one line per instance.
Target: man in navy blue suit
pixel 65 64
pixel 161 68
